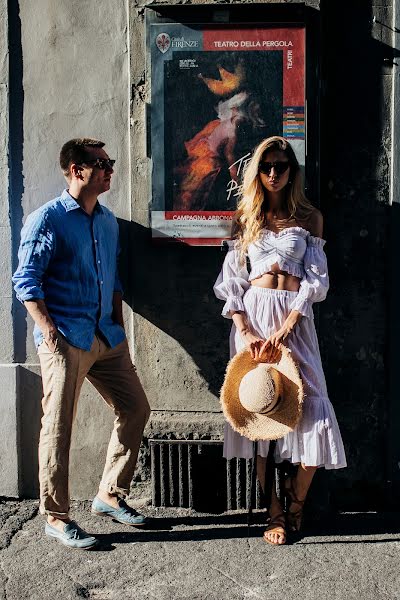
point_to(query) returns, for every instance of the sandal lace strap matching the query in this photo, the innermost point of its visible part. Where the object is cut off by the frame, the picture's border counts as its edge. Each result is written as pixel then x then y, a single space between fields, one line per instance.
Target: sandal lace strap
pixel 292 493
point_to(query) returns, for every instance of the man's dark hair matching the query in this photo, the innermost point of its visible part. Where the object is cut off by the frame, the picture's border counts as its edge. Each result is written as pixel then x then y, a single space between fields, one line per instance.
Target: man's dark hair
pixel 74 151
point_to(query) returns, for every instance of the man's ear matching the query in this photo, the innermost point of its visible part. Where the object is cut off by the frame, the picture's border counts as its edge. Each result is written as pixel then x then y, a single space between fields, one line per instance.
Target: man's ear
pixel 75 171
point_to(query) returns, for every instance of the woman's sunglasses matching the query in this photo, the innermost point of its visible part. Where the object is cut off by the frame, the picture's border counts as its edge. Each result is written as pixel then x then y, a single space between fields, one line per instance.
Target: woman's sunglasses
pixel 280 167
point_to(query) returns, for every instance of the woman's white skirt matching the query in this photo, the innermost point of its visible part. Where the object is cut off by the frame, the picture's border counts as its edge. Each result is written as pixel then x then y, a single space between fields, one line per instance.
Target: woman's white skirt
pixel 316 441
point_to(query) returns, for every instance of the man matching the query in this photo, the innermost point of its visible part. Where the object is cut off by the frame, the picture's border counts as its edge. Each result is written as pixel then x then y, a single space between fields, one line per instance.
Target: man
pixel 67 278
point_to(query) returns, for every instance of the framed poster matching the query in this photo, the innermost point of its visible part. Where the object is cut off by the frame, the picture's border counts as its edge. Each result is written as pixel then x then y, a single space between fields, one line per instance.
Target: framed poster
pixel 216 92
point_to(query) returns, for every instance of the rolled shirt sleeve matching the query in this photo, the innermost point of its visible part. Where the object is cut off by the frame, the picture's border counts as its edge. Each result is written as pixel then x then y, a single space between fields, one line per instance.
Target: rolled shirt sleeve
pixel 232 282
pixel 315 283
pixel 35 251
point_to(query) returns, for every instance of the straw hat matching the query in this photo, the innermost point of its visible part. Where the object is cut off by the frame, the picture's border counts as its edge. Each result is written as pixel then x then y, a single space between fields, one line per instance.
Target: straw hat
pixel 260 400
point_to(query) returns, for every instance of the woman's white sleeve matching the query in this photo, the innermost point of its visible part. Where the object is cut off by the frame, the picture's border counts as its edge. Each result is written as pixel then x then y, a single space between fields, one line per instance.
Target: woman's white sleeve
pixel 232 282
pixel 315 283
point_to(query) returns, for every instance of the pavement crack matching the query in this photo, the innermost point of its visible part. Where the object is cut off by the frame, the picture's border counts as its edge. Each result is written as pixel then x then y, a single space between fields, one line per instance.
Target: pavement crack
pixel 14 524
pixel 240 585
pixel 5 581
pixel 6 578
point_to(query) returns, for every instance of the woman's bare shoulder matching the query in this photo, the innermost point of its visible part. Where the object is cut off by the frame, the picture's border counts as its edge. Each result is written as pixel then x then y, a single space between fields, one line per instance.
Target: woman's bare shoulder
pixel 315 223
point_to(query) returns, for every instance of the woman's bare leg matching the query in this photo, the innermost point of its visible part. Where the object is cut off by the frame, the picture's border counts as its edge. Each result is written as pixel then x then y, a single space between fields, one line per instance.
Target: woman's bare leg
pixel 298 491
pixel 277 534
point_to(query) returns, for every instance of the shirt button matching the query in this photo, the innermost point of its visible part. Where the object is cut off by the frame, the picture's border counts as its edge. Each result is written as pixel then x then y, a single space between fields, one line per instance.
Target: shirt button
pixel 101 282
pixel 98 261
pixel 95 241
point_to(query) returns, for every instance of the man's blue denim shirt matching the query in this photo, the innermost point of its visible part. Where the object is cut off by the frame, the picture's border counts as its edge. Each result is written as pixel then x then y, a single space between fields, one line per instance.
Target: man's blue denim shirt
pixel 69 259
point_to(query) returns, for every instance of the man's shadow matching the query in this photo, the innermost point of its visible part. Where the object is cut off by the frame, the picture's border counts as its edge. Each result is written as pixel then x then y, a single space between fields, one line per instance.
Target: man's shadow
pixel 171 285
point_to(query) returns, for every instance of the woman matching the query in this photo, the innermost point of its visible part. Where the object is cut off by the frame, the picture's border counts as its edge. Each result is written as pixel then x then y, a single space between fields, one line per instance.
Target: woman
pixel 280 233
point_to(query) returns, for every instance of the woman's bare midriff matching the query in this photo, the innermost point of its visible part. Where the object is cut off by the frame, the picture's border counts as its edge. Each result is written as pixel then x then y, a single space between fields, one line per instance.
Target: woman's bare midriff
pixel 277 280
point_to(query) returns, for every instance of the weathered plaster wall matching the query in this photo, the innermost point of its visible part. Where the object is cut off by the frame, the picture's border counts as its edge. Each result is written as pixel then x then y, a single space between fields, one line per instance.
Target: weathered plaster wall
pixel 76 82
pixel 71 78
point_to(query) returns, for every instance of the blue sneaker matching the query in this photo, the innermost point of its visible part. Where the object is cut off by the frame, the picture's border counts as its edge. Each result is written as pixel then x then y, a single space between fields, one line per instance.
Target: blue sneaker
pixel 124 514
pixel 72 536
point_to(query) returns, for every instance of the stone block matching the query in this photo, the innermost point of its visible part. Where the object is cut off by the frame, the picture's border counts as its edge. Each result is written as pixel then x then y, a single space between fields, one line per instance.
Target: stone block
pixel 185 425
pixel 172 379
pixel 9 432
pixel 30 393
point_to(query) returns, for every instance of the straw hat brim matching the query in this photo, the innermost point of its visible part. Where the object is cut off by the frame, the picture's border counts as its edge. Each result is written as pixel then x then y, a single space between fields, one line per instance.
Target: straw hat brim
pixel 256 426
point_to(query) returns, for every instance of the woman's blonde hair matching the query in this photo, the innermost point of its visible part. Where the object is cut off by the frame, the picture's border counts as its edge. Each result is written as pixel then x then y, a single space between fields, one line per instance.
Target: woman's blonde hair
pixel 250 216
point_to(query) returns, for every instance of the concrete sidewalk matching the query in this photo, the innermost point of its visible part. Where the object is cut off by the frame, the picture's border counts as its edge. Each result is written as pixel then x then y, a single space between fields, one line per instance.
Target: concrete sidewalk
pixel 186 556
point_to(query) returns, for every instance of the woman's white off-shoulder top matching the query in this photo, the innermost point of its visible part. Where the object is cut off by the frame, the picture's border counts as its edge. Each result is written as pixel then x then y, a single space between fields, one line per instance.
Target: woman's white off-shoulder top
pixel 294 250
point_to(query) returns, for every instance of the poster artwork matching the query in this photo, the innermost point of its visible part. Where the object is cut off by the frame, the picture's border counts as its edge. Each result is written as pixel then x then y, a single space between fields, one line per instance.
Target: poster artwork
pixel 216 93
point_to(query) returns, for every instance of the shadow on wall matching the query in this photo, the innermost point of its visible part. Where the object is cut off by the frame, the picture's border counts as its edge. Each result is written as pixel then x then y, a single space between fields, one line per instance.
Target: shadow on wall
pixel 355 179
pixel 171 286
pixel 16 133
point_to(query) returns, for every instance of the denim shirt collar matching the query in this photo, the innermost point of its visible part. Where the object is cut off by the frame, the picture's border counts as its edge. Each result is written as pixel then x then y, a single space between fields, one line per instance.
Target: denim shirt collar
pixel 70 203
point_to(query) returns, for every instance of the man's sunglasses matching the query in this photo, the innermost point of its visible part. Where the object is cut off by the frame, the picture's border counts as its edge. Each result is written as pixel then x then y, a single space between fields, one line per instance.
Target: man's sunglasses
pixel 280 167
pixel 101 163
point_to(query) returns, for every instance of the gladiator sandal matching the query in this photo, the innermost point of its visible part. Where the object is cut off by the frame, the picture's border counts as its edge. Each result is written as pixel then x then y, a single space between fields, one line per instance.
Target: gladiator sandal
pixel 293 517
pixel 276 525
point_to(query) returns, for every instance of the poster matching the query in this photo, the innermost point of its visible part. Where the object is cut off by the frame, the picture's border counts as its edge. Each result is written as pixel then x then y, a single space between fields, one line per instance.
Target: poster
pixel 216 92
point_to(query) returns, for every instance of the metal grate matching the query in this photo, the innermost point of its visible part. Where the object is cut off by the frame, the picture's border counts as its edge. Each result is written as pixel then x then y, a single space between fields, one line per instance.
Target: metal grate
pixel 193 474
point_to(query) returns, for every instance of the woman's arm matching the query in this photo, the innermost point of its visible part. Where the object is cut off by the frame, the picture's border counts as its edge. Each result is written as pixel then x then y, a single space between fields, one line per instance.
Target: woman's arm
pixel 259 348
pixel 279 336
pixel 316 224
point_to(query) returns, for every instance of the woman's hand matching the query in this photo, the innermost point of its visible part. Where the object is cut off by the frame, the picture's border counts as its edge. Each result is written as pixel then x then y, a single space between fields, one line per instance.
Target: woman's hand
pixel 269 352
pixel 271 349
pixel 279 336
pixel 283 332
pixel 253 343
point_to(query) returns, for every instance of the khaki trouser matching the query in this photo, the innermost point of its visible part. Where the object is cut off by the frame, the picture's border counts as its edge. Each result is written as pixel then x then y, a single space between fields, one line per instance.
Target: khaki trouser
pixel 111 372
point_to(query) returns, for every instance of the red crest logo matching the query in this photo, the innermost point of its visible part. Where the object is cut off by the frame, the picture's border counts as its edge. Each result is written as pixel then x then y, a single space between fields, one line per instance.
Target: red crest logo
pixel 163 42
